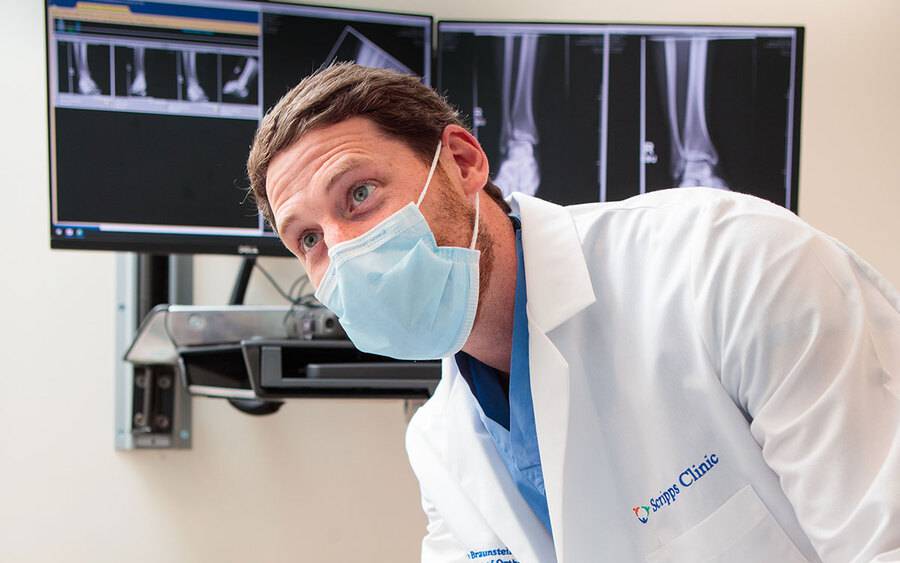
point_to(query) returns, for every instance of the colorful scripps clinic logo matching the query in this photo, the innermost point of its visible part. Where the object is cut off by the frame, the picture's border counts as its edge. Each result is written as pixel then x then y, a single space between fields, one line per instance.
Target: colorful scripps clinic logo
pixel 642 513
pixel 685 479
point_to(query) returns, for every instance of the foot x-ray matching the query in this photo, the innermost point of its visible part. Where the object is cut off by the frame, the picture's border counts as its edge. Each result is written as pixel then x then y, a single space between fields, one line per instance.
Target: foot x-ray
pixel 577 113
pixel 379 45
pixel 83 68
pixel 186 75
pixel 245 73
pixel 149 75
pixel 174 74
pixel 354 46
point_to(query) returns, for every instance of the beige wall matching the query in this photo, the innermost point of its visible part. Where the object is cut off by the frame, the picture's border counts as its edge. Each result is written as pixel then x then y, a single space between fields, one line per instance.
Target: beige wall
pixel 323 480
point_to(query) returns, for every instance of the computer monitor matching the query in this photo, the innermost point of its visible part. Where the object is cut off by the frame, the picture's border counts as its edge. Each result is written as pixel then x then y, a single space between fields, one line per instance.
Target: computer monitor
pixel 578 113
pixel 152 108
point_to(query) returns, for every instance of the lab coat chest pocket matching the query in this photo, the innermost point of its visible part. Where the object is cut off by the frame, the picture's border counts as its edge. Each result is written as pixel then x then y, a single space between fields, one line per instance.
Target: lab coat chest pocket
pixel 740 531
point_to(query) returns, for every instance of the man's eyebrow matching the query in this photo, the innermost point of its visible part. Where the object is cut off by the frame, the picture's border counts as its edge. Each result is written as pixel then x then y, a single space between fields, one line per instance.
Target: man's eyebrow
pixel 344 167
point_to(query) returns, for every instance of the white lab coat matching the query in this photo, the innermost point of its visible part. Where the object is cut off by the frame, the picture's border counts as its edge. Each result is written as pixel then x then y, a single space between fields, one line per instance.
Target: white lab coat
pixel 663 330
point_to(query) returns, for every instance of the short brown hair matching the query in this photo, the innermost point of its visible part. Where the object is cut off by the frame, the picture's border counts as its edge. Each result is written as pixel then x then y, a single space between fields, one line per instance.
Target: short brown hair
pixel 400 105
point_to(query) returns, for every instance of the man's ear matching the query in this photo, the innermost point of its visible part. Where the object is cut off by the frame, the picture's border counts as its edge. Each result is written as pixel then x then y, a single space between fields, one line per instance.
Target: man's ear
pixel 469 165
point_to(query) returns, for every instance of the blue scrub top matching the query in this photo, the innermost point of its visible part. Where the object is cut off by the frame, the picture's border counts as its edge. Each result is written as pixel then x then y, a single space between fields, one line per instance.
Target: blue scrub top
pixel 510 422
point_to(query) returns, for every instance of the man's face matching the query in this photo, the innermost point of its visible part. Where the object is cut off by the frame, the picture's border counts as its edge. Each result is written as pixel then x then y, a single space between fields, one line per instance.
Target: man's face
pixel 338 181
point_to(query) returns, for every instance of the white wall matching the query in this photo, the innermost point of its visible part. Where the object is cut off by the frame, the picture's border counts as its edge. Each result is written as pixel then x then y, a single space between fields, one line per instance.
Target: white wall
pixel 323 480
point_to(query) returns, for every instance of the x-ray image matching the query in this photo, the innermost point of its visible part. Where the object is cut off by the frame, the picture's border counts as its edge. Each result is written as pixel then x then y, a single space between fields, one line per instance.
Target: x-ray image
pixel 144 72
pixel 533 101
pixel 683 83
pixel 83 68
pixel 167 74
pixel 295 46
pixel 519 170
pixel 717 114
pixel 701 109
pixel 354 46
pixel 198 76
pixel 580 113
pixel 240 79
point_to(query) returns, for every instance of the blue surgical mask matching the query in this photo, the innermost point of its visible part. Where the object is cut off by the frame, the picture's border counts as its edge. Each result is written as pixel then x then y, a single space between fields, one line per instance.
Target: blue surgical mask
pixel 397 293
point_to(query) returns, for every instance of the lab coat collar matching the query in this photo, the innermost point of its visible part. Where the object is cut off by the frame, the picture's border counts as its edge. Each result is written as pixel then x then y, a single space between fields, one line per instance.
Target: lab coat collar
pixel 558 287
pixel 559 284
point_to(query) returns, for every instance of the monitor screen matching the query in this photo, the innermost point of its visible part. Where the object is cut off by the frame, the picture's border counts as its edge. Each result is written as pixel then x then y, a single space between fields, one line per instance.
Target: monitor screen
pixel 578 113
pixel 153 107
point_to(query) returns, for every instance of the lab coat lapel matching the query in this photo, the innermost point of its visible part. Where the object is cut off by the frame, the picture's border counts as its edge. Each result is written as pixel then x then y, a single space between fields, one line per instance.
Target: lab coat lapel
pixel 559 283
pixel 487 483
pixel 558 287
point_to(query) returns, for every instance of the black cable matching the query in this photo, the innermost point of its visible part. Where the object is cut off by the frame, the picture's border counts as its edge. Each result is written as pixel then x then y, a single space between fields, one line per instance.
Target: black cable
pixel 274 283
pixel 299 285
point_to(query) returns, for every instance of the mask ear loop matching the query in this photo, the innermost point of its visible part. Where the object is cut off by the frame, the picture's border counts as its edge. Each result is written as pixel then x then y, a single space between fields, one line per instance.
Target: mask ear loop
pixel 477 218
pixel 434 163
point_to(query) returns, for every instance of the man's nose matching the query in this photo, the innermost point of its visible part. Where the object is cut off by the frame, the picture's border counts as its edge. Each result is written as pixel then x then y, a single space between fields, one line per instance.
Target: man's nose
pixel 336 233
pixel 334 236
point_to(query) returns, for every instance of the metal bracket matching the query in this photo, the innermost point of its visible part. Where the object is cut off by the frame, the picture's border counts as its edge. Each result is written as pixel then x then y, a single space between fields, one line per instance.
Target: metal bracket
pixel 153 408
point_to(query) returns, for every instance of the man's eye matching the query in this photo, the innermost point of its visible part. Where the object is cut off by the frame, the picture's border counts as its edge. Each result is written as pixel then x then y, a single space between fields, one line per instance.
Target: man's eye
pixel 361 193
pixel 309 240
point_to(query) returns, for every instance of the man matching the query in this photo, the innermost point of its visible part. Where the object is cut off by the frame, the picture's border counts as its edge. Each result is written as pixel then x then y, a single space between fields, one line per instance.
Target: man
pixel 690 375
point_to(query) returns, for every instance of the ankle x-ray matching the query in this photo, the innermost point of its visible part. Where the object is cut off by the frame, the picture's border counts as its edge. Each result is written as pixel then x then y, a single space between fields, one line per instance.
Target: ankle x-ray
pixel 83 68
pixel 580 113
pixel 694 157
pixel 169 71
pixel 518 170
pixel 533 101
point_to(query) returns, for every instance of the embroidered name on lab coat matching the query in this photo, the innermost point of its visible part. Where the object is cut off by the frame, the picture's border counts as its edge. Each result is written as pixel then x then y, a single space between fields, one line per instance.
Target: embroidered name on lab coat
pixel 492 556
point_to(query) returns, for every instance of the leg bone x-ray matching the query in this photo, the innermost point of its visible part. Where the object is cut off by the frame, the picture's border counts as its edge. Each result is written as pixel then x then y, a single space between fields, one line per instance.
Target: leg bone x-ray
pixel 195 92
pixel 519 169
pixel 138 86
pixel 694 158
pixel 86 84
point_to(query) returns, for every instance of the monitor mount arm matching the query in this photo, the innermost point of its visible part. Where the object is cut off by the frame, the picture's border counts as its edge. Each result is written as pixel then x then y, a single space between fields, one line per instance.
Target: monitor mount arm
pixel 256 407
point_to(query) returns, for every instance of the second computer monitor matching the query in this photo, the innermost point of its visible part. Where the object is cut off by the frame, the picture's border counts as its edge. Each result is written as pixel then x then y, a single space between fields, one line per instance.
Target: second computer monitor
pixel 576 113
